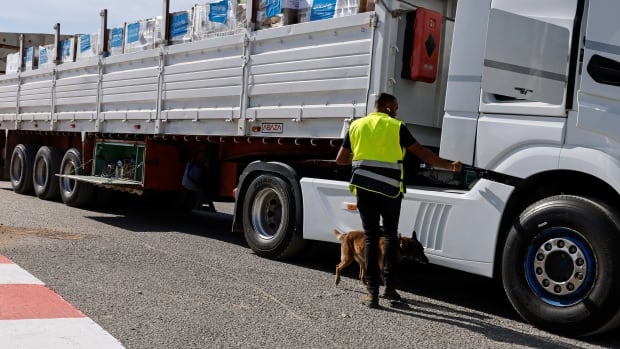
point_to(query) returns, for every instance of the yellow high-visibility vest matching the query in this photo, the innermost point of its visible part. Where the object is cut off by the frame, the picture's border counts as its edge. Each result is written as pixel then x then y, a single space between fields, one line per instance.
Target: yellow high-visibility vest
pixel 377 154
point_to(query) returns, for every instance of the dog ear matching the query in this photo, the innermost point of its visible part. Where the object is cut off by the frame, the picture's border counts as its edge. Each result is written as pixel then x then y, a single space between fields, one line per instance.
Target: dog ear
pixel 414 234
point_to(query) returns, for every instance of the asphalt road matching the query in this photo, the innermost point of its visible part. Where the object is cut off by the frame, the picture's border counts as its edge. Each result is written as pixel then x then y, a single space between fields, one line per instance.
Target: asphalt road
pixel 155 279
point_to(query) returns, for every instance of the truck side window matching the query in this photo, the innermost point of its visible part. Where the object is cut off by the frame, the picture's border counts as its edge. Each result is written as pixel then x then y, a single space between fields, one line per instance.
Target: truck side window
pixel 604 70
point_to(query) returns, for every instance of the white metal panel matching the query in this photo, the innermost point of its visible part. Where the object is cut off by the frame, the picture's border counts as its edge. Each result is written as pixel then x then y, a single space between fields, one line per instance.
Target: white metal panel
pixel 599 163
pixel 465 72
pixel 204 82
pixel 76 87
pixel 501 136
pixel 525 58
pixel 599 103
pixel 297 71
pixel 458 136
pixel 442 220
pixel 36 93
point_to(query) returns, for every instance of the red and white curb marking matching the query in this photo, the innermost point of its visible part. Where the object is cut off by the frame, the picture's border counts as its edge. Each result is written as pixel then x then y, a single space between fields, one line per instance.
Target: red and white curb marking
pixel 33 316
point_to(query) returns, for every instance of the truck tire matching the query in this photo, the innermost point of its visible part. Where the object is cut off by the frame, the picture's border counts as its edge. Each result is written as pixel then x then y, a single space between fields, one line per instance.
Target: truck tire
pixel 20 171
pixel 269 223
pixel 561 266
pixel 74 193
pixel 46 166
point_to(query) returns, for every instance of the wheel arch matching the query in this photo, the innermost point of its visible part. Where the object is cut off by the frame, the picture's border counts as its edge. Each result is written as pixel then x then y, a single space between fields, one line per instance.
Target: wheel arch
pixel 257 168
pixel 545 184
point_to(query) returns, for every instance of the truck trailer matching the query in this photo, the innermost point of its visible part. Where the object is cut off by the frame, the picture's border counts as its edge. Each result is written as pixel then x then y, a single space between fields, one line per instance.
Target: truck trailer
pixel 525 93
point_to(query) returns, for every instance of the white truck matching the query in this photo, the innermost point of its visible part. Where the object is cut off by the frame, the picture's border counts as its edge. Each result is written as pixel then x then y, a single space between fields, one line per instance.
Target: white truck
pixel 527 93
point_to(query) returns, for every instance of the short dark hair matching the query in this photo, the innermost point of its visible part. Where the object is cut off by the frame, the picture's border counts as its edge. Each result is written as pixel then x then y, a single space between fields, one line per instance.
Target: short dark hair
pixel 384 99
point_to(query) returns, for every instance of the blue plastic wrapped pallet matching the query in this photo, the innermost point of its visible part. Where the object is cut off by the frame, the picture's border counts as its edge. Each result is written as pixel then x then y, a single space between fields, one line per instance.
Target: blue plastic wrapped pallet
pixel 116 41
pixel 47 55
pixel 181 27
pixel 315 10
pixel 142 35
pixel 67 50
pixel 276 13
pixel 88 46
pixel 216 18
pixel 32 57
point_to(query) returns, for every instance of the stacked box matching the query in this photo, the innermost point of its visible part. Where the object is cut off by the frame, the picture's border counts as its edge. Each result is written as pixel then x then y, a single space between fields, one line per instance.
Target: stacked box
pixel 216 18
pixel 32 58
pixel 314 10
pixel 347 7
pixel 67 50
pixel 241 14
pixel 47 55
pixel 116 40
pixel 322 9
pixel 13 63
pixel 305 9
pixel 88 46
pixel 276 13
pixel 181 27
pixel 142 35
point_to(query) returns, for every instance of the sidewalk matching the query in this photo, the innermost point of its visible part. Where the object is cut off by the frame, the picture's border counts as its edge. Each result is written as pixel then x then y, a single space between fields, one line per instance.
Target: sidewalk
pixel 33 316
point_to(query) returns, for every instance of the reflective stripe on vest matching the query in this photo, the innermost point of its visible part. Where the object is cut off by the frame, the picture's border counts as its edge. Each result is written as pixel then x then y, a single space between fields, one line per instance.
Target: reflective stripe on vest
pixel 377 154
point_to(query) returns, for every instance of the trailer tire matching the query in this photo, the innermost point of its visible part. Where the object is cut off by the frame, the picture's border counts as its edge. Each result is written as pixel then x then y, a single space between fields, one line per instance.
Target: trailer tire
pixel 20 171
pixel 560 266
pixel 269 218
pixel 74 193
pixel 46 166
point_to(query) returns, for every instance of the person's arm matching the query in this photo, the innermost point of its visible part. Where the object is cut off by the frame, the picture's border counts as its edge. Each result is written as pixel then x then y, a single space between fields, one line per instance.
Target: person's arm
pixel 429 157
pixel 344 157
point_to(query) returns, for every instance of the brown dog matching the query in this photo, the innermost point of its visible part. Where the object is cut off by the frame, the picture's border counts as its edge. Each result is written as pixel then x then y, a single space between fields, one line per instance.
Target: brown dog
pixel 352 249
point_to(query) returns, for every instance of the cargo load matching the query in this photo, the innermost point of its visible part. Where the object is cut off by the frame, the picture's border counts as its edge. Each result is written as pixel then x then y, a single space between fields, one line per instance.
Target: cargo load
pixel 116 41
pixel 32 57
pixel 88 46
pixel 47 55
pixel 142 35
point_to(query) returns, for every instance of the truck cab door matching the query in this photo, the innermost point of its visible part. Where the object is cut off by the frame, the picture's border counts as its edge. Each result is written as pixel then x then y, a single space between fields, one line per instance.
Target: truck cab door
pixel 527 56
pixel 599 92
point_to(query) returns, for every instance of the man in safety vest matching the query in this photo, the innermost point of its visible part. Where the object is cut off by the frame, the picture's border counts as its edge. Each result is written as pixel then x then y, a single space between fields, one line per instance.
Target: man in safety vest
pixel 375 146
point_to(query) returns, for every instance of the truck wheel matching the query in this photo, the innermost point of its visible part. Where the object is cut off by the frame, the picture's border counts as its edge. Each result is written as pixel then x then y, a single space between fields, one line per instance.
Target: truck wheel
pixel 269 220
pixel 22 161
pixel 561 266
pixel 74 193
pixel 46 166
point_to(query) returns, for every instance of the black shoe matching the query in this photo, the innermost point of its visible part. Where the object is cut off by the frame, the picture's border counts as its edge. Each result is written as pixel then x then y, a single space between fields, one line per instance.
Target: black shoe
pixel 371 301
pixel 391 294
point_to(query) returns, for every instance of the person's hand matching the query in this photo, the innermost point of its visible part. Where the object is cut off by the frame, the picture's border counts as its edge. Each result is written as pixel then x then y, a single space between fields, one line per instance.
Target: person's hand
pixel 457 166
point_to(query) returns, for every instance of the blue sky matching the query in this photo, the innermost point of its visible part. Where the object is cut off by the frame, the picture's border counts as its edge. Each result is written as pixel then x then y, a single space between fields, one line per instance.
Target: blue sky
pixel 78 16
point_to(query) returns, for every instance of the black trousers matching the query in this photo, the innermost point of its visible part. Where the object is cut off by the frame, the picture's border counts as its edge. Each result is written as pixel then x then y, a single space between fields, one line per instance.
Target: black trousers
pixel 373 208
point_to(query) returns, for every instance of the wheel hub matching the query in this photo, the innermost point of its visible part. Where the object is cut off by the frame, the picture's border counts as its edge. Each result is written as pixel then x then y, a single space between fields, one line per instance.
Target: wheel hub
pixel 560 266
pixel 267 213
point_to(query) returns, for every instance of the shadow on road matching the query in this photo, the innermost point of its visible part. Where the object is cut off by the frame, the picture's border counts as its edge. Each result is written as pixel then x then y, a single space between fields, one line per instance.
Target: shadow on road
pixel 460 289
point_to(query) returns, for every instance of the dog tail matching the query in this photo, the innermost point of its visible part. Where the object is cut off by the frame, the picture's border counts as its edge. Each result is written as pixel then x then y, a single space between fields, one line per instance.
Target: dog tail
pixel 340 236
